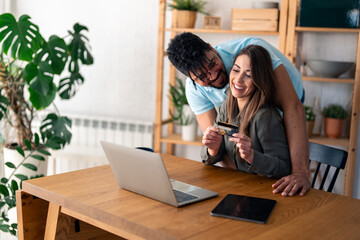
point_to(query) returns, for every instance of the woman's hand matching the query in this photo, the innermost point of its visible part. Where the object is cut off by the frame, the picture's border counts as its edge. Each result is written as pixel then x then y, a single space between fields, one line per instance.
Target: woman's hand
pixel 243 142
pixel 212 140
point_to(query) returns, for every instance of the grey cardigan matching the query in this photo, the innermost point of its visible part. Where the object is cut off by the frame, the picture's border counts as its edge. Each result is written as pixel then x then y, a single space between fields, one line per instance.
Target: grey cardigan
pixel 271 150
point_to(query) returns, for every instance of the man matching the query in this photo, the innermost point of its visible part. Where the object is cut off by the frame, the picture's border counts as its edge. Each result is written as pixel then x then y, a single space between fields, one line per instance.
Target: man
pixel 208 68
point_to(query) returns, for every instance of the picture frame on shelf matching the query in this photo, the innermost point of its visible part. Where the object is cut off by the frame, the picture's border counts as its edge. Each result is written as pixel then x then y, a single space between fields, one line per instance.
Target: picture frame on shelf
pixel 212 22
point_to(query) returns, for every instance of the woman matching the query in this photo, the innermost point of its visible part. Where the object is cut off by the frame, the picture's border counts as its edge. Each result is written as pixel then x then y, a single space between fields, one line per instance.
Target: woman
pixel 260 146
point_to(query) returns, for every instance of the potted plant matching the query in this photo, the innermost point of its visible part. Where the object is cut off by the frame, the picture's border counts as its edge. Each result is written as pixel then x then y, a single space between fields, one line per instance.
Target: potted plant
pixel 183 115
pixel 310 118
pixel 28 85
pixel 185 11
pixel 334 116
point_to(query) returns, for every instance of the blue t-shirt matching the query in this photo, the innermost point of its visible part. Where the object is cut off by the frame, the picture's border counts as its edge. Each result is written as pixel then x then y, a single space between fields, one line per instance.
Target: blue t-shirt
pixel 203 99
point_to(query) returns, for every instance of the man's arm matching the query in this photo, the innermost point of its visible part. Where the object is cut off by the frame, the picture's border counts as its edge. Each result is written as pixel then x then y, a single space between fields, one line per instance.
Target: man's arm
pixel 295 126
pixel 206 119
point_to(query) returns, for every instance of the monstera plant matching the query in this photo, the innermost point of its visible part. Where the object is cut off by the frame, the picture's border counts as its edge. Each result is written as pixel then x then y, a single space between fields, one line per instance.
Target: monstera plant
pixel 33 71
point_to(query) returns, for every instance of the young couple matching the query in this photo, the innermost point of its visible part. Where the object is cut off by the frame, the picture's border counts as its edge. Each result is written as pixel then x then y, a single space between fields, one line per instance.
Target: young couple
pixel 260 79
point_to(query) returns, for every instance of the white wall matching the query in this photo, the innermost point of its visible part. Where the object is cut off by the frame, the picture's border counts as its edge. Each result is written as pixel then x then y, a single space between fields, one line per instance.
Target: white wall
pixel 123 35
pixel 123 38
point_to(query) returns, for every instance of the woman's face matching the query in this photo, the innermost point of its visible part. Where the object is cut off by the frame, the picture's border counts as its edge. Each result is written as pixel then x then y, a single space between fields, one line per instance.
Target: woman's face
pixel 241 83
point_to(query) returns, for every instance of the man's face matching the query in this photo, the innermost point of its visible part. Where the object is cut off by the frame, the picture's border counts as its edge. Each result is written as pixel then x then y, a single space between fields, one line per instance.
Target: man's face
pixel 213 73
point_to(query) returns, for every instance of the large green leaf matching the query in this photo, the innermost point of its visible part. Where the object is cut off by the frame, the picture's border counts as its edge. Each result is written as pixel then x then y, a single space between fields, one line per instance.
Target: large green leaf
pixel 55 131
pixel 78 48
pixel 54 53
pixel 43 101
pixel 42 81
pixel 67 86
pixel 22 37
pixel 4 190
pixel 41 87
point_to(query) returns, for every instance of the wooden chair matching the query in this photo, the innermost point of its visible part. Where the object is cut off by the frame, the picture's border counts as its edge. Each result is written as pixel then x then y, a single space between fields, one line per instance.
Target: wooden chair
pixel 145 149
pixel 330 157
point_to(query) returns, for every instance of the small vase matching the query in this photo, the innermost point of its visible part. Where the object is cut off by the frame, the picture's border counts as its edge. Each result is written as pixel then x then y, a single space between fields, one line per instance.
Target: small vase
pixel 334 127
pixel 189 132
pixel 310 127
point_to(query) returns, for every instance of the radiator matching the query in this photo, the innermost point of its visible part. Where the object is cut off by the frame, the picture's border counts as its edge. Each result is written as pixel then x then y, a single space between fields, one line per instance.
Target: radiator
pixel 85 150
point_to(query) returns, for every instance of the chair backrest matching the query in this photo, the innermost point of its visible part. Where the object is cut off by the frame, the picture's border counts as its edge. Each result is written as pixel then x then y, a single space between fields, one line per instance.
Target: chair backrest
pixel 327 156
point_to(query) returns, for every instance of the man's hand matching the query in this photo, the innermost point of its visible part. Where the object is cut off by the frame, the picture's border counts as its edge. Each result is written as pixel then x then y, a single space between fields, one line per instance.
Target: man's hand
pixel 290 185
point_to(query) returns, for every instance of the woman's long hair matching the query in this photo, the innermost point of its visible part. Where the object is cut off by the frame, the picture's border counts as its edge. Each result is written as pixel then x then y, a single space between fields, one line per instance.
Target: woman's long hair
pixel 264 93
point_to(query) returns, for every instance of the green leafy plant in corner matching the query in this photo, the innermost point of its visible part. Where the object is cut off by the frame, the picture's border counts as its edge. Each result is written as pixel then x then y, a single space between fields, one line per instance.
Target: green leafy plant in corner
pixel 309 113
pixel 189 5
pixel 335 111
pixel 33 71
pixel 179 100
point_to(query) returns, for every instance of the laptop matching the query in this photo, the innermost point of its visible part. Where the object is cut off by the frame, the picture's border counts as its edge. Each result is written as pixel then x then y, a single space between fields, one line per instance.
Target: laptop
pixel 144 173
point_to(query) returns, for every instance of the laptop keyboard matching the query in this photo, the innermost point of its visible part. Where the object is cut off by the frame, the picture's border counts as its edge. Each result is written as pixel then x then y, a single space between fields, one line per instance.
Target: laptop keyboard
pixel 183 197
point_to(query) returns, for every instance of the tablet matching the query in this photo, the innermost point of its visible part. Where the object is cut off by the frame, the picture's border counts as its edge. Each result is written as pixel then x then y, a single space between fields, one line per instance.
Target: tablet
pixel 244 208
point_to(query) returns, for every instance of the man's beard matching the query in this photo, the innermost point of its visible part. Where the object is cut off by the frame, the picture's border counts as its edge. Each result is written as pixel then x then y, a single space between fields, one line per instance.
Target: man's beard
pixel 224 82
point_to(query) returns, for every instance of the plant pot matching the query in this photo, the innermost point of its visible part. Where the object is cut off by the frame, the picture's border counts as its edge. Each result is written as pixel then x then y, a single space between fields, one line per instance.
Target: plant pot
pixel 183 18
pixel 310 127
pixel 334 127
pixel 11 155
pixel 189 132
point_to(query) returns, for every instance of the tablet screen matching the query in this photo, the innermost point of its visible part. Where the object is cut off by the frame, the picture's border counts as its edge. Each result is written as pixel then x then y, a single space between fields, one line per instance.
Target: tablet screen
pixel 245 208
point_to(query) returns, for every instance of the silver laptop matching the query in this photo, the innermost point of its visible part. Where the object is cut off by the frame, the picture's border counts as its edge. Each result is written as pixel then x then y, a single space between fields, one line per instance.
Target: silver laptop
pixel 143 172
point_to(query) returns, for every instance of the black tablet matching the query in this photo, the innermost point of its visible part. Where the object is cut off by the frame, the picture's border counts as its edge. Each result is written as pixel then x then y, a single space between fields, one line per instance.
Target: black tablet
pixel 245 208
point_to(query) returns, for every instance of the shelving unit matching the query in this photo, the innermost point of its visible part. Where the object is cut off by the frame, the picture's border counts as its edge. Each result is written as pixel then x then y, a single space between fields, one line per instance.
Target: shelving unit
pixel 291 52
pixel 170 138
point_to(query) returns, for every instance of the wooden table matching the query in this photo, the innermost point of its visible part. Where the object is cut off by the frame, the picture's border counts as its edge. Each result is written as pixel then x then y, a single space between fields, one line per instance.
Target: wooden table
pixel 93 197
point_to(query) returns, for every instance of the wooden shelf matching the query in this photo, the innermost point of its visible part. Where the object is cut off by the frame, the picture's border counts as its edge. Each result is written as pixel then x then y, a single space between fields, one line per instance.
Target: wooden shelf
pixel 176 139
pixel 219 31
pixel 321 79
pixel 341 142
pixel 321 29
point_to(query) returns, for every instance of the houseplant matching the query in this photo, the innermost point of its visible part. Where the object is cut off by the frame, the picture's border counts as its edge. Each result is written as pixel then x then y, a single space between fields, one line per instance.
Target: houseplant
pixel 183 115
pixel 28 84
pixel 310 119
pixel 185 11
pixel 334 117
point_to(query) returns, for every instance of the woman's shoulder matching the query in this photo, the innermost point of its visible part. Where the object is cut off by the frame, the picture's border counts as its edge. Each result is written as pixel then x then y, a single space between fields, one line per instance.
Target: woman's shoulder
pixel 266 111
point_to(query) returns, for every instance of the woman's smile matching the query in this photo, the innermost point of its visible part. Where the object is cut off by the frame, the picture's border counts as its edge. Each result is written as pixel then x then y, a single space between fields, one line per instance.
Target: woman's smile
pixel 241 82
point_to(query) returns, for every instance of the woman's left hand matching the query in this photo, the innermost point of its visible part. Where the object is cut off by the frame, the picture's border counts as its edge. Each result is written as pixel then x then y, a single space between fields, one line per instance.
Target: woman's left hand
pixel 243 142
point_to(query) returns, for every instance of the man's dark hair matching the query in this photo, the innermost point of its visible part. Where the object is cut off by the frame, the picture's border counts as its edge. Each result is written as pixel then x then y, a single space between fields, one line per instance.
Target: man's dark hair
pixel 187 52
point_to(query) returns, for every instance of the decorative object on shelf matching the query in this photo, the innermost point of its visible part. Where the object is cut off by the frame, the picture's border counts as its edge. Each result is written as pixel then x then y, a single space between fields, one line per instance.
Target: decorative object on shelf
pixel 260 4
pixel 335 116
pixel 24 92
pixel 318 117
pixel 183 115
pixel 255 19
pixel 329 13
pixel 302 56
pixel 184 12
pixel 212 22
pixel 310 119
pixel 328 69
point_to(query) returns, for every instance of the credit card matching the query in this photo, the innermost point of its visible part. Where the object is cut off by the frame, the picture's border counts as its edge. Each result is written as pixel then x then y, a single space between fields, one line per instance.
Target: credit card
pixel 227 129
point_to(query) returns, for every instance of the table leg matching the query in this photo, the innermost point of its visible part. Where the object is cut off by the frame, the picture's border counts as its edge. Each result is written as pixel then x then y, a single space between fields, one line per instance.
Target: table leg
pixel 52 221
